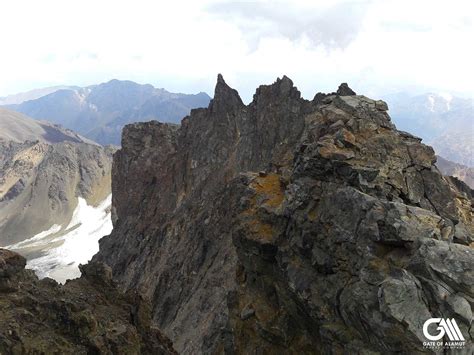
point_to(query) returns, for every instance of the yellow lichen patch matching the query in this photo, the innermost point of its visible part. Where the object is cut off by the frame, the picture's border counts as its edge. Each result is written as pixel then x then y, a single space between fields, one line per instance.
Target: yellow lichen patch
pixel 312 215
pixel 271 188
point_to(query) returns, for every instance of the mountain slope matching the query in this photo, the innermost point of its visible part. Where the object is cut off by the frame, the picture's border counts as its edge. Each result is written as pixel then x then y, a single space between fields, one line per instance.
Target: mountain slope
pixel 99 112
pixel 290 226
pixel 19 128
pixel 45 173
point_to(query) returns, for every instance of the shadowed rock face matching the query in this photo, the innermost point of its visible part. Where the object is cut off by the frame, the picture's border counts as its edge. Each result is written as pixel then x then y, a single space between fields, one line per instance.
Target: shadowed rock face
pixel 85 316
pixel 290 226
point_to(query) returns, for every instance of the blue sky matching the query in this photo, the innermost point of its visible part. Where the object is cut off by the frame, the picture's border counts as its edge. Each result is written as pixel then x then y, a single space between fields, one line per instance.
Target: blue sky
pixel 376 46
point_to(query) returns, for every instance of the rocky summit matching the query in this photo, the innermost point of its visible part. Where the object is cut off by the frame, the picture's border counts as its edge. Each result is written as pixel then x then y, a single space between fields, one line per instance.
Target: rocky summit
pixel 290 226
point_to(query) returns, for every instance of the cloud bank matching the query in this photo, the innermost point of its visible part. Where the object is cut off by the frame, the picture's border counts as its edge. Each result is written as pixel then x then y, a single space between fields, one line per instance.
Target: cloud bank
pixel 376 46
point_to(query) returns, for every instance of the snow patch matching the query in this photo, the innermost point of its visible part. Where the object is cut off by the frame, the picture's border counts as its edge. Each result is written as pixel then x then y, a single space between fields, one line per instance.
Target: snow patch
pixel 61 255
pixel 448 98
pixel 38 239
pixel 432 103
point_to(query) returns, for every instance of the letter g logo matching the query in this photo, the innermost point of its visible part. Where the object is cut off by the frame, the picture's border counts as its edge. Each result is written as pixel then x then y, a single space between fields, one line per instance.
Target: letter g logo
pixel 428 335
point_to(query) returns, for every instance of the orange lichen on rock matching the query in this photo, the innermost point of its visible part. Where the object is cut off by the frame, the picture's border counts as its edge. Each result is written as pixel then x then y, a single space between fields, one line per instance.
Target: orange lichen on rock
pixel 263 231
pixel 269 192
pixel 271 188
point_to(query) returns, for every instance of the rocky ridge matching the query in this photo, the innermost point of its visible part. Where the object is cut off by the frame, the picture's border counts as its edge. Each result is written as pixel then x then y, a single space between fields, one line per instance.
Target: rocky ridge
pixel 85 316
pixel 290 226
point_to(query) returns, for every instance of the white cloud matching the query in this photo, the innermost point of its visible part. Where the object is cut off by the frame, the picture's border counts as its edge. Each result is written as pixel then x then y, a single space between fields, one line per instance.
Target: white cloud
pixel 376 46
pixel 332 24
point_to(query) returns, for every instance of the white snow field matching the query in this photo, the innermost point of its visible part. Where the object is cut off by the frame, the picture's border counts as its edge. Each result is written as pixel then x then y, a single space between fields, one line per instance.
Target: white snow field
pixel 57 252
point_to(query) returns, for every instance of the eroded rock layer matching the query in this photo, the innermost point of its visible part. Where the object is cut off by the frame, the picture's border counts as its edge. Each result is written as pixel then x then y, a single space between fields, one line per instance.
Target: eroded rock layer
pixel 290 226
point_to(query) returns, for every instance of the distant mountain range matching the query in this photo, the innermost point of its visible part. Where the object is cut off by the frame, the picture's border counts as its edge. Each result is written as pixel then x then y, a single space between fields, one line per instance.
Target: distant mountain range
pixel 99 112
pixel 442 120
pixel 31 95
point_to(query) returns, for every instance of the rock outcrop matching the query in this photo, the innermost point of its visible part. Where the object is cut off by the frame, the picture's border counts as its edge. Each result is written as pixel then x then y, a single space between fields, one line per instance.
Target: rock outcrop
pixel 290 226
pixel 85 316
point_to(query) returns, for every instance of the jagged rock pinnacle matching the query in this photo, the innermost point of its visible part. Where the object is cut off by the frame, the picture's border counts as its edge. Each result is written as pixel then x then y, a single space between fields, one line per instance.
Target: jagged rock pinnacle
pixel 281 88
pixel 225 98
pixel 285 84
pixel 345 90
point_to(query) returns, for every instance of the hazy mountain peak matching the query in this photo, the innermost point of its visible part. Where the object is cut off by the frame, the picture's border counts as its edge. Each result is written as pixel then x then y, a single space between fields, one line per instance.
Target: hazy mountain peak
pixel 442 119
pixel 100 111
pixel 17 99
